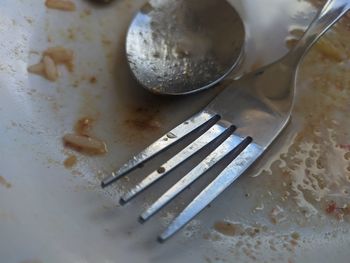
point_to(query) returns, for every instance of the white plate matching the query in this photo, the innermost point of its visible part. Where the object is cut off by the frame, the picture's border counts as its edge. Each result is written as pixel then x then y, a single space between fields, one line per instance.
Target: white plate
pixel 53 214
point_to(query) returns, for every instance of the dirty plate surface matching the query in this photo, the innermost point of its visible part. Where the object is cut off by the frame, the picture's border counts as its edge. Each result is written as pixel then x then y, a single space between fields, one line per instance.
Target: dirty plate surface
pixel 291 207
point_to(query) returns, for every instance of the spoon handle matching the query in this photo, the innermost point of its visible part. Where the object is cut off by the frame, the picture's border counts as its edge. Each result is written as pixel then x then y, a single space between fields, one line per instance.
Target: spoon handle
pixel 332 11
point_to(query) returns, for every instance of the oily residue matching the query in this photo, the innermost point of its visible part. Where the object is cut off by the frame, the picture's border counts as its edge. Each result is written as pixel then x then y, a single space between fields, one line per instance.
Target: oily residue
pixel 5 183
pixel 251 240
pixel 309 178
pixel 315 169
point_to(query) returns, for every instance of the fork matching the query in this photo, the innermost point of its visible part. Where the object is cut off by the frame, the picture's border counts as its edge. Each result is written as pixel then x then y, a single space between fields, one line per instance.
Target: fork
pixel 247 117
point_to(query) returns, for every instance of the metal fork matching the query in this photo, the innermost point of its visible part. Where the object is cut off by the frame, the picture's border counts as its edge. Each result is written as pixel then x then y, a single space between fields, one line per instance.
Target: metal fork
pixel 247 116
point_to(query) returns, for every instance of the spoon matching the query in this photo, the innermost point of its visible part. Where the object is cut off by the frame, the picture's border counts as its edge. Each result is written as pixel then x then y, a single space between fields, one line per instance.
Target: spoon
pixel 177 47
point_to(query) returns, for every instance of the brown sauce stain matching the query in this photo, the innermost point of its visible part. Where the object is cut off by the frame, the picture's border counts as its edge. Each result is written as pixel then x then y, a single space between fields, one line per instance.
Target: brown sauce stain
pixel 225 228
pixel 5 183
pixel 143 119
pixel 93 80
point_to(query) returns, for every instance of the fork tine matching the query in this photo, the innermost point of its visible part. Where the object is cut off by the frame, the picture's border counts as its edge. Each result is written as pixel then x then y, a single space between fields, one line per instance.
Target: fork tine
pixel 218 130
pixel 229 146
pixel 250 153
pixel 179 132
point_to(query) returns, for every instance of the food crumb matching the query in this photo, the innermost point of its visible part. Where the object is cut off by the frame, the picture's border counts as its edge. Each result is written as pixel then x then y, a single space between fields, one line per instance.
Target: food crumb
pixel 70 161
pixel 37 69
pixel 61 55
pixel 50 68
pixel 82 141
pixel 52 57
pixel 5 183
pixel 64 5
pixel 329 50
pixel 84 144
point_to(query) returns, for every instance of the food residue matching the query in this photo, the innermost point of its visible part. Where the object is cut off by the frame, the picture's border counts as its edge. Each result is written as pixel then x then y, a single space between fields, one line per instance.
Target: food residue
pixel 70 161
pixel 82 140
pixel 52 57
pixel 230 229
pixel 331 207
pixel 5 183
pixel 61 56
pixel 84 144
pixel 314 168
pixel 327 48
pixel 50 68
pixel 225 228
pixel 83 126
pixel 64 5
pixel 338 212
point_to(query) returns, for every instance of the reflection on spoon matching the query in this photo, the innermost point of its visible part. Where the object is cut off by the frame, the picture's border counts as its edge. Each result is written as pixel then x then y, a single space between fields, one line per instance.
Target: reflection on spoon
pixel 183 46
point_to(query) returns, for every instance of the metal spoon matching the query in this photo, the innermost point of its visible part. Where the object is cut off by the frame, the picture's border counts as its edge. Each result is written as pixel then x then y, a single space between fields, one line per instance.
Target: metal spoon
pixel 179 47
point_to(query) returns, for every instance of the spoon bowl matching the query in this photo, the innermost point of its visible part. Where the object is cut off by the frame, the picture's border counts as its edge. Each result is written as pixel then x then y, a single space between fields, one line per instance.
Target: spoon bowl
pixel 177 47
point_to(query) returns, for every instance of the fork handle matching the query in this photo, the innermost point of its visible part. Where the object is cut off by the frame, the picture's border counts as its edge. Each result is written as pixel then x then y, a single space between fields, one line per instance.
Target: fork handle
pixel 332 11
